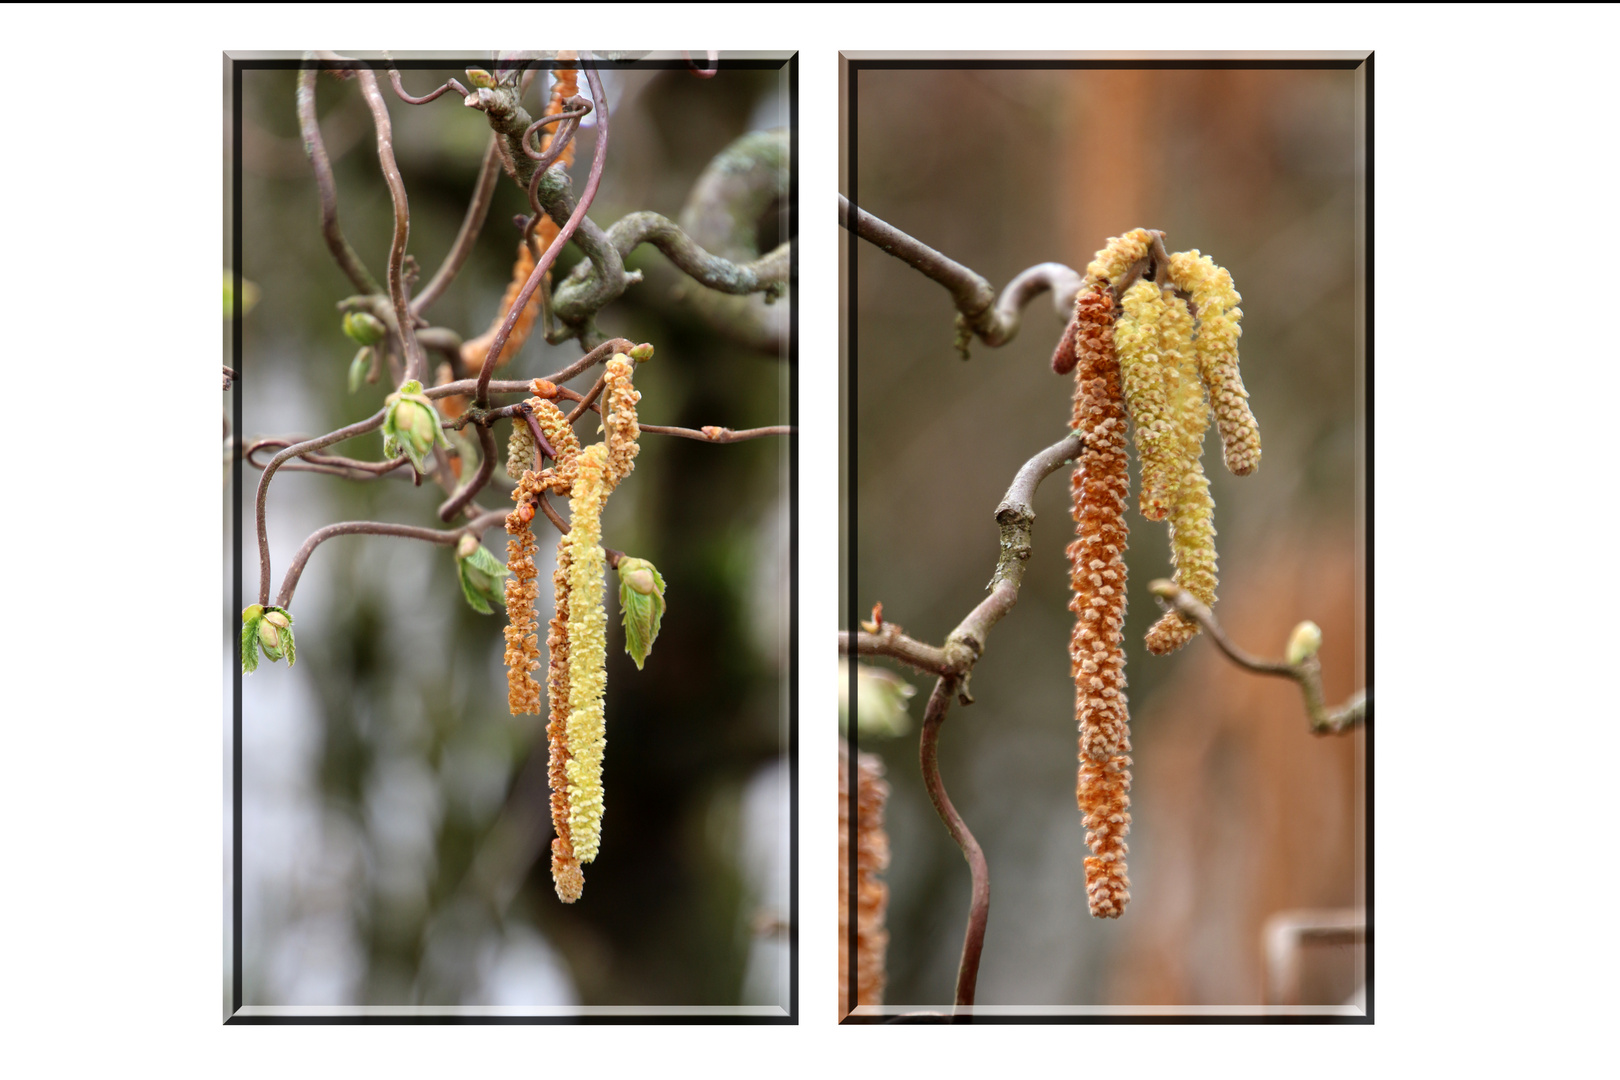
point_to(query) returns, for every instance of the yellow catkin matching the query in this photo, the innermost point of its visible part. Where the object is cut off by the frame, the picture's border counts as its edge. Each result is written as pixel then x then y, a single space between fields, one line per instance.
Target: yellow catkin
pixel 1218 332
pixel 587 652
pixel 1192 512
pixel 1120 255
pixel 619 399
pixel 1143 376
pixel 1100 488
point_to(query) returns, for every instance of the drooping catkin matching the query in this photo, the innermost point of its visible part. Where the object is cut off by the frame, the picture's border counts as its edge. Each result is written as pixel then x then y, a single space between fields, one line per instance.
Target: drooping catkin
pixel 522 646
pixel 1142 373
pixel 1218 332
pixel 1100 488
pixel 1192 511
pixel 565 872
pixel 587 652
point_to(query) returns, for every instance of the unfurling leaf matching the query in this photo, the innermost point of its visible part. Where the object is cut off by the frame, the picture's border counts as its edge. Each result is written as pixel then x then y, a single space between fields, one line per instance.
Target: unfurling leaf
pixel 481 576
pixel 641 606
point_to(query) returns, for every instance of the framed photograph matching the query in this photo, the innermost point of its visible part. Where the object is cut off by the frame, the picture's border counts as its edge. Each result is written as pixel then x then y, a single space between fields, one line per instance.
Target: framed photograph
pixel 1068 489
pixel 509 448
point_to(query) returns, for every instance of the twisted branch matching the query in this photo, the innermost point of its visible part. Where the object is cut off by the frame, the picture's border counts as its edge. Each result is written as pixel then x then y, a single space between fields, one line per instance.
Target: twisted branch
pixel 1307 673
pixel 295 569
pixel 979 311
pixel 315 150
pixel 967 972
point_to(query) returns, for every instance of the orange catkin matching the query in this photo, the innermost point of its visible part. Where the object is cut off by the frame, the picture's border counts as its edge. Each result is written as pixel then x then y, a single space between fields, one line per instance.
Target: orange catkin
pixel 1100 488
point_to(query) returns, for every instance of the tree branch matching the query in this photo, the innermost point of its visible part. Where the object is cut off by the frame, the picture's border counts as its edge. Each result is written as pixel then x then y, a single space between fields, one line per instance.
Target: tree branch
pixel 295 569
pixel 967 973
pixel 471 225
pixel 415 359
pixel 544 263
pixel 1307 673
pixel 315 150
pixel 979 312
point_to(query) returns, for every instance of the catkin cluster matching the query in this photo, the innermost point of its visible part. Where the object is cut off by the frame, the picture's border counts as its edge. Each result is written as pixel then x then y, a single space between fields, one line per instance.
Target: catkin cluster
pixel 576 676
pixel 1169 373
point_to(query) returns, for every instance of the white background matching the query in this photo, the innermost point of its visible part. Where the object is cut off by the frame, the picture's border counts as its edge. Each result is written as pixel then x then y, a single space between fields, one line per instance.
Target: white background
pixel 1495 352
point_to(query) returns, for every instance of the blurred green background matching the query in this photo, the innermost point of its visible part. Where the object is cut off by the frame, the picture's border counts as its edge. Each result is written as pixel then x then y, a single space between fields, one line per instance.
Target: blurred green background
pixel 1239 813
pixel 395 829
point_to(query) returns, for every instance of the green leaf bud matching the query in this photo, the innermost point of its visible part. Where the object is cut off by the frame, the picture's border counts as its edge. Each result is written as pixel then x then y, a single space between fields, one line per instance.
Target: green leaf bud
pixel 266 630
pixel 411 425
pixel 641 606
pixel 364 328
pixel 481 78
pixel 480 574
pixel 641 353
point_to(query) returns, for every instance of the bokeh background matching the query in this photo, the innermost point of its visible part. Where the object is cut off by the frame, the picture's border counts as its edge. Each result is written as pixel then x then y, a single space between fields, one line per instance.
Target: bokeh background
pixel 395 825
pixel 1240 815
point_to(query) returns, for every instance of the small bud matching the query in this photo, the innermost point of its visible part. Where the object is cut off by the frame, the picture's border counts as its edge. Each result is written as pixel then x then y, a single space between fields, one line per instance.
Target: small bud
pixel 481 78
pixel 543 388
pixel 278 618
pixel 364 328
pixel 269 639
pixel 466 546
pixel 641 353
pixel 1303 642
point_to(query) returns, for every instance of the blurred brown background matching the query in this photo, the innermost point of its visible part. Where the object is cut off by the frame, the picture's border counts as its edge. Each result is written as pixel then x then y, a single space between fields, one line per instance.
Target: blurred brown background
pixel 395 818
pixel 1239 813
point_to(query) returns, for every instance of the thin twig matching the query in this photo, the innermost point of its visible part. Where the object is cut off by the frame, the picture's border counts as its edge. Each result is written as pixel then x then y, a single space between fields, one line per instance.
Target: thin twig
pixel 1307 673
pixel 415 359
pixel 471 225
pixel 980 312
pixel 718 434
pixel 1015 516
pixel 399 88
pixel 370 423
pixel 967 972
pixel 315 149
pixel 468 491
pixel 544 263
pixel 295 569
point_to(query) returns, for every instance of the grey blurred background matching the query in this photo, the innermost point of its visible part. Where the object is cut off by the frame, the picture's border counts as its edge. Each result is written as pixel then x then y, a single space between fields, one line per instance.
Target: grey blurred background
pixel 396 836
pixel 1239 813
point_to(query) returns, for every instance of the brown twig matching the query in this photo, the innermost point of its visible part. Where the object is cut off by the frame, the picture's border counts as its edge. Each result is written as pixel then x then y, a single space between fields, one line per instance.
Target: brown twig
pixel 967 972
pixel 415 359
pixel 295 569
pixel 544 263
pixel 471 225
pixel 1307 673
pixel 979 311
pixel 315 148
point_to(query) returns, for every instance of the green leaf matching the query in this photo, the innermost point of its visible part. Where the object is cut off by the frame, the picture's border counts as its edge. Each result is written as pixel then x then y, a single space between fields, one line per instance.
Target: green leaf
pixel 642 615
pixel 287 644
pixel 250 645
pixel 480 575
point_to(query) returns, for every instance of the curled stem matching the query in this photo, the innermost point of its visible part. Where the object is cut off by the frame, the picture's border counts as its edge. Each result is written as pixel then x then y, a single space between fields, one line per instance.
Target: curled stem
pixel 1307 673
pixel 415 359
pixel 967 973
pixel 295 570
pixel 994 320
pixel 315 149
pixel 544 263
